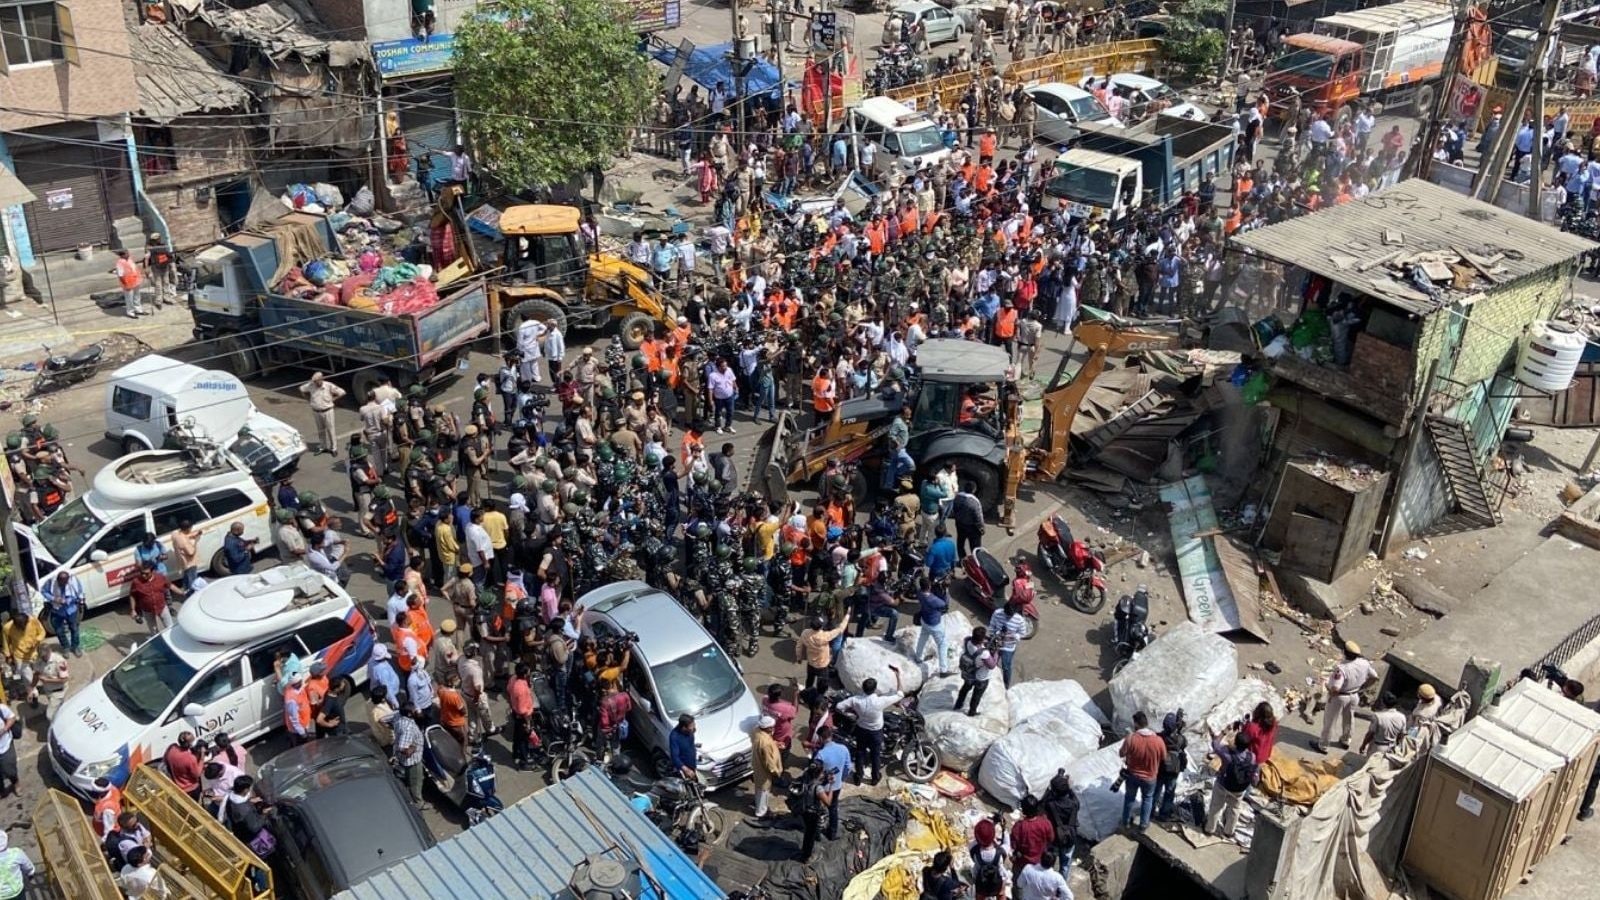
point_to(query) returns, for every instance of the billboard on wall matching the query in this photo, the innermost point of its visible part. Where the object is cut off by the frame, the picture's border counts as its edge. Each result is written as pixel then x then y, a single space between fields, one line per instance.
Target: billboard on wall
pixel 410 56
pixel 656 15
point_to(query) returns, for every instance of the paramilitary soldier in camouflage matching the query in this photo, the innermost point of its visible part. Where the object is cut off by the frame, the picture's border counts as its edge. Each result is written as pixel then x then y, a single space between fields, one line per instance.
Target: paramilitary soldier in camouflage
pixel 723 583
pixel 752 594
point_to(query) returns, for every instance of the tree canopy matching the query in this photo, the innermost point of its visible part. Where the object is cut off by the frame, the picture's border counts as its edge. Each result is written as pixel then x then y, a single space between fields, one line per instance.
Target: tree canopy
pixel 550 88
pixel 1193 40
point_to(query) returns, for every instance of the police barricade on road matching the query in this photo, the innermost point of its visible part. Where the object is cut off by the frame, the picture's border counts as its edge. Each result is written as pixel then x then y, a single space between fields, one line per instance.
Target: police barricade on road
pixel 192 840
pixel 72 856
pixel 1068 66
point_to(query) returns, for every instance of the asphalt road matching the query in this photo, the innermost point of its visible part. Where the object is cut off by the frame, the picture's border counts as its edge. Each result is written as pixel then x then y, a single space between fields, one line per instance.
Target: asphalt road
pixel 1070 644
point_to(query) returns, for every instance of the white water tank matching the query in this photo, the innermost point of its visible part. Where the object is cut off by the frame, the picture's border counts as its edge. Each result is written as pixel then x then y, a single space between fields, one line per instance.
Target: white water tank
pixel 1550 356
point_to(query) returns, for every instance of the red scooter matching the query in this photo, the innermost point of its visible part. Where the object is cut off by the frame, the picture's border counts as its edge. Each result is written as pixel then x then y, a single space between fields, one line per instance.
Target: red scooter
pixel 1074 564
pixel 987 581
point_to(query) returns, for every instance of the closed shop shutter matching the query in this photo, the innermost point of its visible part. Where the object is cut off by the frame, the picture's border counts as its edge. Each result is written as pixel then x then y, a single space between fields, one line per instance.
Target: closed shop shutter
pixel 427 116
pixel 71 205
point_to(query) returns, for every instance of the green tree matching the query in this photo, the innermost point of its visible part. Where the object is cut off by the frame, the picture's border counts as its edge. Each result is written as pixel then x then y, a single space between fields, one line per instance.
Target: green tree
pixel 550 88
pixel 1194 39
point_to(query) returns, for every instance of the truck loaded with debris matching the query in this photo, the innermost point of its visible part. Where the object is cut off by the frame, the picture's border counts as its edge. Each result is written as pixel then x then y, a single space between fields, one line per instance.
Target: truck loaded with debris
pixel 1113 170
pixel 298 293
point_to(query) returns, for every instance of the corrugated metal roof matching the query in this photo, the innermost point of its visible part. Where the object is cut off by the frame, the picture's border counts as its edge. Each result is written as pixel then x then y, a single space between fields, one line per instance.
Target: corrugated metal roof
pixel 1553 722
pixel 1497 758
pixel 530 850
pixel 175 79
pixel 1429 218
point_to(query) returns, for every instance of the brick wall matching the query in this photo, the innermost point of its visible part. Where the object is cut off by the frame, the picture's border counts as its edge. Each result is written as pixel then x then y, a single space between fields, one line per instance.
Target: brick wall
pixel 1494 325
pixel 100 85
pixel 204 156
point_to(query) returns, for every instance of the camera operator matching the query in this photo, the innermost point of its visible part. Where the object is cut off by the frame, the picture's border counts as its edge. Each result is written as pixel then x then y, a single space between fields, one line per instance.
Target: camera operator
pixel 977 664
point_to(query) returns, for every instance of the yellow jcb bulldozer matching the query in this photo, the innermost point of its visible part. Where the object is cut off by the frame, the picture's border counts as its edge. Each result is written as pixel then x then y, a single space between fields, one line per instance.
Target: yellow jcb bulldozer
pixel 545 271
pixel 990 452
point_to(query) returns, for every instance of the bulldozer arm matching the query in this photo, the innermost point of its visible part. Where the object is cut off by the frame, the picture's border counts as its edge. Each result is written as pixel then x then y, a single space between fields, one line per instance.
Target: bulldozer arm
pixel 1105 339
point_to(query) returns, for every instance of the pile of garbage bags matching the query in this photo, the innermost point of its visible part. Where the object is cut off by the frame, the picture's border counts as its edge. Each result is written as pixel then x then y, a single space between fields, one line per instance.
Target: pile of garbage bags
pixel 864 658
pixel 1030 754
pixel 1184 668
pixel 963 740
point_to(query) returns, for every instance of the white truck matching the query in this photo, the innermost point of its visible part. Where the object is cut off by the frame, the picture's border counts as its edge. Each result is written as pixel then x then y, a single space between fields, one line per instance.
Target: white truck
pixel 1113 170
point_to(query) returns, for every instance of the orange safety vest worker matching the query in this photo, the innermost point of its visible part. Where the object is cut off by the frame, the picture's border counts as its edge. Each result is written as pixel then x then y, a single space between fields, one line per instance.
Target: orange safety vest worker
pixel 316 689
pixel 302 710
pixel 909 223
pixel 822 394
pixel 403 657
pixel 877 236
pixel 110 801
pixel 1005 324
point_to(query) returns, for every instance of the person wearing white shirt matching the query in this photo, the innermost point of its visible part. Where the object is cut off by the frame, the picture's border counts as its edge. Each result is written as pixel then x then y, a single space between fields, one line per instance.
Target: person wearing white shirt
pixel 867 707
pixel 530 334
pixel 555 350
pixel 1041 881
pixel 396 603
pixel 480 549
pixel 720 239
pixel 1319 132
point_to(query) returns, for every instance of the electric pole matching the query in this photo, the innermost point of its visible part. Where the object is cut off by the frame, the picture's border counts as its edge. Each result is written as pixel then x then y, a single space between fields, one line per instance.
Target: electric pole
pixel 1227 48
pixel 1422 161
pixel 778 39
pixel 740 64
pixel 1491 177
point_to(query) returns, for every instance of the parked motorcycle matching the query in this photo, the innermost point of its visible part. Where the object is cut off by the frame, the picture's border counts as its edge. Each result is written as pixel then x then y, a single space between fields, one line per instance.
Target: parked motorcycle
pixel 675 805
pixel 1072 563
pixel 1130 627
pixel 469 782
pixel 905 737
pixel 564 744
pixel 987 582
pixel 56 370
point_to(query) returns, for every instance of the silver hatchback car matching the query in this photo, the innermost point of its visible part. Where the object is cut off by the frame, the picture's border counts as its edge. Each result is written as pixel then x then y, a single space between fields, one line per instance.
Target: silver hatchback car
pixel 677 668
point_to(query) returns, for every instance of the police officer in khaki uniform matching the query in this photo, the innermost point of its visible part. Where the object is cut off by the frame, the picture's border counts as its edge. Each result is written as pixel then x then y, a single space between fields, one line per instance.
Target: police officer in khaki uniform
pixel 323 394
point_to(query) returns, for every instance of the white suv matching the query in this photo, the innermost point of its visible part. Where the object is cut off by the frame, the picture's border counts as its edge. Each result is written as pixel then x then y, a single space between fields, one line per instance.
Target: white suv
pixel 212 671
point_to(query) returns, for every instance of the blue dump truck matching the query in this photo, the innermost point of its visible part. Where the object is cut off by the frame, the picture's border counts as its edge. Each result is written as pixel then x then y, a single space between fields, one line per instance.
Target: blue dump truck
pixel 257 330
pixel 1111 171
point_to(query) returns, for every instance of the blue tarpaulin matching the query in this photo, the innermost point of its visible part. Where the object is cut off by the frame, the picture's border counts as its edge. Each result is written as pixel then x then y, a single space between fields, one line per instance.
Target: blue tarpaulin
pixel 710 64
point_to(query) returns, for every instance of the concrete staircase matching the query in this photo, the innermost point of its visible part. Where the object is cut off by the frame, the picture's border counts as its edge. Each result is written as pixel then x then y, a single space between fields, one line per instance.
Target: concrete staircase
pixel 129 232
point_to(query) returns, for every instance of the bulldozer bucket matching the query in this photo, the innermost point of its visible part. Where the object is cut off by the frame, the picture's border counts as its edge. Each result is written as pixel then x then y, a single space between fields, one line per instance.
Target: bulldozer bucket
pixel 769 470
